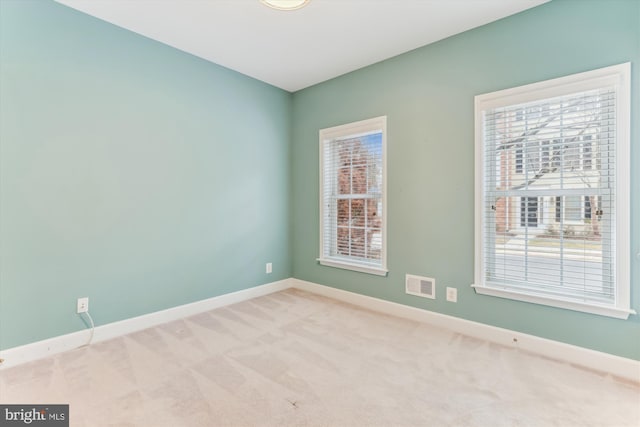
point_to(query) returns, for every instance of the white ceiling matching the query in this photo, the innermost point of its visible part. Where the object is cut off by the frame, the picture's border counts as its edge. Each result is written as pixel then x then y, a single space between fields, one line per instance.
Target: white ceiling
pixel 296 49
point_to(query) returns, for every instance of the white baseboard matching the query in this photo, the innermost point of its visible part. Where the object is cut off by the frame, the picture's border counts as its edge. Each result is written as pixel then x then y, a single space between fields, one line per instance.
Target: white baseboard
pixel 37 350
pixel 591 359
pixel 618 366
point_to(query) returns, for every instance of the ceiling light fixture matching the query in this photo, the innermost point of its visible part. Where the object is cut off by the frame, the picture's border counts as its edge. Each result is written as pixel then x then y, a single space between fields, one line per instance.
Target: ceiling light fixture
pixel 285 4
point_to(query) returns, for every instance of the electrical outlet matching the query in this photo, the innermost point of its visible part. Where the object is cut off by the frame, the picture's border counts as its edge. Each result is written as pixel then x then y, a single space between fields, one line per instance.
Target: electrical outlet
pixel 452 294
pixel 269 268
pixel 83 305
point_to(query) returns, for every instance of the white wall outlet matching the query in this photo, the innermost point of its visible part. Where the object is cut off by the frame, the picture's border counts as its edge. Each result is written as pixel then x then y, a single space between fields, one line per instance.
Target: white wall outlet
pixel 269 268
pixel 83 305
pixel 452 294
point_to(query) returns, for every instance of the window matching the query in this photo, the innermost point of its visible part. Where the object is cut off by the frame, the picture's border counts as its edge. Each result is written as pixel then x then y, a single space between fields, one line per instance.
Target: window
pixel 574 208
pixel 536 156
pixel 352 196
pixel 552 192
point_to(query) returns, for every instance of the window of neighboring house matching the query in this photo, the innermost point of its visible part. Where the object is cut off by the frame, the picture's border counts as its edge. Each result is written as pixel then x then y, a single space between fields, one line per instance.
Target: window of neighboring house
pixel 529 211
pixel 552 192
pixel 586 152
pixel 537 156
pixel 353 196
pixel 574 208
pixel 519 159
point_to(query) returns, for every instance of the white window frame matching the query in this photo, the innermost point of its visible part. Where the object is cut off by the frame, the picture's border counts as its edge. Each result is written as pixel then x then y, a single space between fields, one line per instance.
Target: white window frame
pixel 618 75
pixel 363 127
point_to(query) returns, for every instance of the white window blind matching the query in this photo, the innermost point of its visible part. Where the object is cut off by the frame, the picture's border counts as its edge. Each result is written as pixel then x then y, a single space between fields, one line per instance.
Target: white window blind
pixel 352 196
pixel 552 192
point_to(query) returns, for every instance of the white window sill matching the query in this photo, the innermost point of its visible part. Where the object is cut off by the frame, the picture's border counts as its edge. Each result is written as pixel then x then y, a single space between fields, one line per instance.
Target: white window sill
pixel 602 310
pixel 362 268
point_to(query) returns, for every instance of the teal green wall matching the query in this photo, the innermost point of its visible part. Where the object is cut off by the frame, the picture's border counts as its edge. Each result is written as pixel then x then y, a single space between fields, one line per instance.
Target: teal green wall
pixel 428 95
pixel 131 173
pixel 144 178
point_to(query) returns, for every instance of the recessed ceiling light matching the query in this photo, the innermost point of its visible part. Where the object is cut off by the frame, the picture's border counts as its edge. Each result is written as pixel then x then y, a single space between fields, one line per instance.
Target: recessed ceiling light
pixel 285 4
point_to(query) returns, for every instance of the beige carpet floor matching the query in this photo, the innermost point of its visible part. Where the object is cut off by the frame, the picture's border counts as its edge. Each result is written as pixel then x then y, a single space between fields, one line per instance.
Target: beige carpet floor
pixel 295 358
